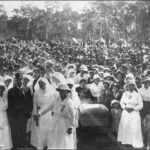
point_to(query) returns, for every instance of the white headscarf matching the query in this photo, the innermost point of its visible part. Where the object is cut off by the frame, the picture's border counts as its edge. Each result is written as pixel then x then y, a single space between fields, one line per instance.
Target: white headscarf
pixel 49 87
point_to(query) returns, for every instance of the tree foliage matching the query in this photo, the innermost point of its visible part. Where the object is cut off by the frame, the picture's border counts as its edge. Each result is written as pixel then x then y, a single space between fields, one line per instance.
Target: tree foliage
pixel 108 20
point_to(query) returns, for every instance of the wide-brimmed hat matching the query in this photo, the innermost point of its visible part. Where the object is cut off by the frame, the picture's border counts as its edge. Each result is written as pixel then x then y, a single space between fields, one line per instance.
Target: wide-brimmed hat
pixel 116 84
pixel 131 76
pixel 96 76
pixel 146 80
pixel 131 83
pixel 84 68
pixel 7 78
pixel 113 102
pixel 107 75
pixel 63 87
pixel 106 82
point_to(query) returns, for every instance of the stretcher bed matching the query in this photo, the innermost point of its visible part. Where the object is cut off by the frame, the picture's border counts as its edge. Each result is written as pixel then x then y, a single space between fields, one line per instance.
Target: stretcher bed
pixel 93 114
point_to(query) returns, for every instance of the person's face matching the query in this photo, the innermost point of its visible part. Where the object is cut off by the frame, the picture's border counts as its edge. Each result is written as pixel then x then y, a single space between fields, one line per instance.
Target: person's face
pixel 19 82
pixel 7 82
pixel 25 81
pixel 82 84
pixel 72 74
pixel 96 81
pixel 130 87
pixel 106 86
pixel 140 69
pixel 70 86
pixel 115 89
pixel 146 85
pixel 2 89
pixel 42 72
pixel 49 68
pixel 63 94
pixel 42 85
pixel 119 77
pixel 36 74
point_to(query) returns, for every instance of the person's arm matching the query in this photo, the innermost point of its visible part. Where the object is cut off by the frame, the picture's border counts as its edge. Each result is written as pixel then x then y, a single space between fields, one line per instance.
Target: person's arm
pixel 4 104
pixel 35 103
pixel 48 108
pixel 139 106
pixel 122 102
pixel 72 117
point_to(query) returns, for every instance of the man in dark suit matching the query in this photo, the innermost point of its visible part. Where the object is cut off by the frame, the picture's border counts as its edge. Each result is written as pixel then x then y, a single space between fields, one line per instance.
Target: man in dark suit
pixel 20 106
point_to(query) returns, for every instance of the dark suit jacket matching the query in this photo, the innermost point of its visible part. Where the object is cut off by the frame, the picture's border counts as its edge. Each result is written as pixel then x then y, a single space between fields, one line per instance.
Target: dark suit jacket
pixel 20 103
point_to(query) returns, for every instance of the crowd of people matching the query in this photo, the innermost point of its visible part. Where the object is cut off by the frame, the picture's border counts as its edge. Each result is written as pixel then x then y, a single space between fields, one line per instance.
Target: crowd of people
pixel 42 87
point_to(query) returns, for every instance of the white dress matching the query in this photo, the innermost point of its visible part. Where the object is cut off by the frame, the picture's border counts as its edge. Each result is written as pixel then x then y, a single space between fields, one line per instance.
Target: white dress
pixel 63 118
pixel 42 99
pixel 5 134
pixel 130 123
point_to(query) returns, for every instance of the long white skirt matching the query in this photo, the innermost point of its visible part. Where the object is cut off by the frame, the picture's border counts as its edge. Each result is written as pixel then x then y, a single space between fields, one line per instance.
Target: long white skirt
pixel 5 137
pixel 33 140
pixel 59 138
pixel 130 129
pixel 43 130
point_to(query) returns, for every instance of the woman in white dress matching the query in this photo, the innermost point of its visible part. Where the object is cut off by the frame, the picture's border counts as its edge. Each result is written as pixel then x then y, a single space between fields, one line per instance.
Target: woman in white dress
pixel 5 135
pixel 42 99
pixel 62 126
pixel 130 132
pixel 77 103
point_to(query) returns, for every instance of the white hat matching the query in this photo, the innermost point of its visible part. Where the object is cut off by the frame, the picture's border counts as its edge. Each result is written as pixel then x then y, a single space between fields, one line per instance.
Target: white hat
pixel 2 84
pixel 71 71
pixel 96 76
pixel 7 78
pixel 131 82
pixel 59 76
pixel 107 75
pixel 131 76
pixel 114 101
pixel 83 67
pixel 30 78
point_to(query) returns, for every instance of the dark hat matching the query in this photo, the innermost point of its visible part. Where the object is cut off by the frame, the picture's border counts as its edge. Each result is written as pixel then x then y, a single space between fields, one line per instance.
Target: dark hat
pixel 18 76
pixel 82 80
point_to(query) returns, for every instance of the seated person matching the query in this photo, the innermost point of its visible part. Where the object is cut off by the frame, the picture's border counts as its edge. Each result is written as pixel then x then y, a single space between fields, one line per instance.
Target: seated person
pixel 83 91
pixel 96 88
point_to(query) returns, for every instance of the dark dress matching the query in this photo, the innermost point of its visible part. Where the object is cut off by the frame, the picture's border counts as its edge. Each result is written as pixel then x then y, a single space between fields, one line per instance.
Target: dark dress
pixel 84 93
pixel 20 105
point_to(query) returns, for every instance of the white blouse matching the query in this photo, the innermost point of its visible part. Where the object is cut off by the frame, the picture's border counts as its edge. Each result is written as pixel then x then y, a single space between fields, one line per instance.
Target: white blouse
pixel 96 89
pixel 131 100
pixel 145 93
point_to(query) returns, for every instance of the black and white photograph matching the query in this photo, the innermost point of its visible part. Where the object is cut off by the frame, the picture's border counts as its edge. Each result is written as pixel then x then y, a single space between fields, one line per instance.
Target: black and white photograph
pixel 74 75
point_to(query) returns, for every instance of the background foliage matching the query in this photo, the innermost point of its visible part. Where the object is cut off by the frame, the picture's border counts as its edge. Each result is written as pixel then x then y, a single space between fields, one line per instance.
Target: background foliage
pixel 109 20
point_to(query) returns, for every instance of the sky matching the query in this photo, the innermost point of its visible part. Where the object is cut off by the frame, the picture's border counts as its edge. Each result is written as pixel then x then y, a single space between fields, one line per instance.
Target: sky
pixel 10 5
